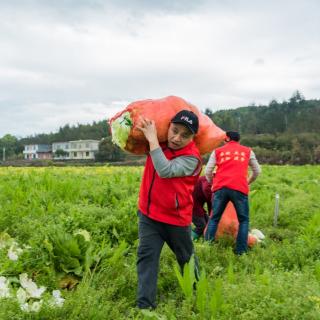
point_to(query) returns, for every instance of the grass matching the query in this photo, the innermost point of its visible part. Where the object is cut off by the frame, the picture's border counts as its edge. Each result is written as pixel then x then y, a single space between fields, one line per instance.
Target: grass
pixel 279 279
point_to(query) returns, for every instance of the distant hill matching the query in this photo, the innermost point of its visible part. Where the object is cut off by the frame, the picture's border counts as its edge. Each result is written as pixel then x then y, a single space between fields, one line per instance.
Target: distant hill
pixel 280 133
pixel 294 116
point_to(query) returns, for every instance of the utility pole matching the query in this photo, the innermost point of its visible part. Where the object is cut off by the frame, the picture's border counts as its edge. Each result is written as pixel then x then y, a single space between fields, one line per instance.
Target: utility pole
pixel 3 154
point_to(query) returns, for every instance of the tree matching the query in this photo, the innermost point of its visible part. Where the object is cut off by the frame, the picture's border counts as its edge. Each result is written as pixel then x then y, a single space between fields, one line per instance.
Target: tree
pixel 108 151
pixel 299 154
pixel 11 145
pixel 61 153
pixel 208 112
pixel 317 154
pixel 296 98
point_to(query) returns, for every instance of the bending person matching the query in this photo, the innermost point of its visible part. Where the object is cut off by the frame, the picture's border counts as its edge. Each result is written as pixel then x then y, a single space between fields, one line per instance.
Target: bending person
pixel 202 195
pixel 231 183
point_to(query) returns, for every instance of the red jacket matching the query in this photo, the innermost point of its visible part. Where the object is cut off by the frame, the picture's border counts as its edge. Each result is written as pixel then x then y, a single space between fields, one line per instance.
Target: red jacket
pixel 232 162
pixel 169 200
pixel 202 195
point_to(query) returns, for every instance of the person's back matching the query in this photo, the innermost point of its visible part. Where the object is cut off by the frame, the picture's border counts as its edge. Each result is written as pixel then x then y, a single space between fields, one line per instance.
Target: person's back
pixel 231 183
pixel 232 162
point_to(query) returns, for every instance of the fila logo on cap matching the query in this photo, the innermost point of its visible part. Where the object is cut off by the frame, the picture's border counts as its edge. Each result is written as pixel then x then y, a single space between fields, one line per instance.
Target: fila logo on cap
pixel 185 118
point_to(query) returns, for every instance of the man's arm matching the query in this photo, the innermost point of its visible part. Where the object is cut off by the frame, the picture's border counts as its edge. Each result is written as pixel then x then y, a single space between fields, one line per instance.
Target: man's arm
pixel 177 167
pixel 210 167
pixel 255 167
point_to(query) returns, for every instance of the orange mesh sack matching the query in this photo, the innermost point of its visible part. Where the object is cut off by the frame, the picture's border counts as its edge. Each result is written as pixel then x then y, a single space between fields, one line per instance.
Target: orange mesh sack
pixel 229 225
pixel 126 135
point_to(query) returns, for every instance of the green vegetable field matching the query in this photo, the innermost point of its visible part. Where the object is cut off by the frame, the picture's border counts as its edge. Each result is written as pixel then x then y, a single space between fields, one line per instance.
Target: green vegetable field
pixel 68 240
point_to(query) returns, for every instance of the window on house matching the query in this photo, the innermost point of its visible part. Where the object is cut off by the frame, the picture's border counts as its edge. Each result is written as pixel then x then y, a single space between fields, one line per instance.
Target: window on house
pixel 75 154
pixel 87 154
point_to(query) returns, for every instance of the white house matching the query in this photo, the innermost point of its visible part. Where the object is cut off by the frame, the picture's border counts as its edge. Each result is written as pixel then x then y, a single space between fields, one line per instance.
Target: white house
pixel 63 152
pixel 77 150
pixel 37 151
pixel 83 149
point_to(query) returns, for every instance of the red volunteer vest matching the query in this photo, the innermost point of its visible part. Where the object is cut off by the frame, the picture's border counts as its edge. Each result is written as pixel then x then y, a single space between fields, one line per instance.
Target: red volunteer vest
pixel 232 162
pixel 169 200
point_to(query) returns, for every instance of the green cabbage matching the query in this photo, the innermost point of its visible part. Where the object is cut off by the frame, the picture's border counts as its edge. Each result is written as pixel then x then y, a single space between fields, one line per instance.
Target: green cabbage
pixel 120 129
pixel 70 253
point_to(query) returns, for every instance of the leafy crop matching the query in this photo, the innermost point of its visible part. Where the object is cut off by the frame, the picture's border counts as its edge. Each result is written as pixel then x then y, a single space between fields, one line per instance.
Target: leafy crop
pixel 120 129
pixel 71 253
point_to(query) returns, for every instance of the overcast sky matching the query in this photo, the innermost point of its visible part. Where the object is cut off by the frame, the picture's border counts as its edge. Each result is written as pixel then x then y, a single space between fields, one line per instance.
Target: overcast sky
pixel 76 61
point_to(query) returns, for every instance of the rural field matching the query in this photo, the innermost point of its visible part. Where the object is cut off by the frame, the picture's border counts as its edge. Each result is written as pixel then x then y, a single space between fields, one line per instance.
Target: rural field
pixel 75 230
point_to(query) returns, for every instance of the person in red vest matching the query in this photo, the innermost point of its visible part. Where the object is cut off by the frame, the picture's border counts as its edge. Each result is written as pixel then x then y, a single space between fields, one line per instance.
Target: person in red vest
pixel 202 195
pixel 231 183
pixel 165 200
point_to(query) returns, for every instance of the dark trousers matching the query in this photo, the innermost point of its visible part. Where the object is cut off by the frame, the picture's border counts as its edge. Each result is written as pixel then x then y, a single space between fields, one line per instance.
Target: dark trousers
pixel 200 223
pixel 220 200
pixel 152 236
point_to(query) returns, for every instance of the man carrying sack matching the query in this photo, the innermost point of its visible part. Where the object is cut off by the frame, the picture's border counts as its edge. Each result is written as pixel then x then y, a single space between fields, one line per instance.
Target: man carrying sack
pixel 165 200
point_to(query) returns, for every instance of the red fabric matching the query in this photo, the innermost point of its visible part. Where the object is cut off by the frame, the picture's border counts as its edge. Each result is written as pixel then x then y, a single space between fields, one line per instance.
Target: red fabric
pixel 201 195
pixel 229 225
pixel 168 200
pixel 162 111
pixel 232 162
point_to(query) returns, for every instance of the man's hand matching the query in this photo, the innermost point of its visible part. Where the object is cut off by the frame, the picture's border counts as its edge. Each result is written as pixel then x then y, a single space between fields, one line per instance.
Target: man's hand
pixel 251 179
pixel 149 130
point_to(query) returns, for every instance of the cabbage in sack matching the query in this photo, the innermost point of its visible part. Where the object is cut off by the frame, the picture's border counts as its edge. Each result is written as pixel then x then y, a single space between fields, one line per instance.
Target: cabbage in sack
pixel 126 135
